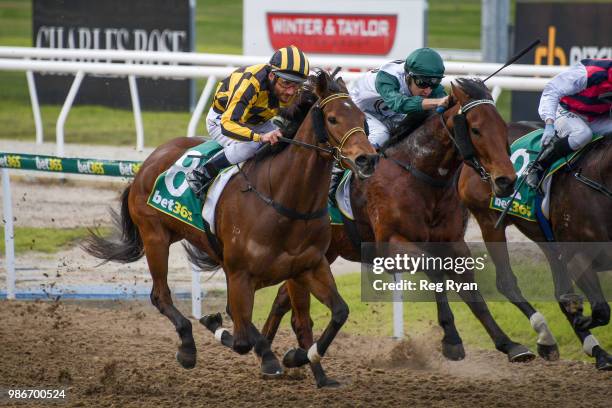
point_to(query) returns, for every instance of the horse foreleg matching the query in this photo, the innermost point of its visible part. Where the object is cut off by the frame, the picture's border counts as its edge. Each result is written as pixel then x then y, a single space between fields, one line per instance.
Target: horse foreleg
pixel 302 327
pixel 321 284
pixel 473 298
pixel 452 345
pixel 156 246
pixel 241 294
pixel 280 307
pixel 507 285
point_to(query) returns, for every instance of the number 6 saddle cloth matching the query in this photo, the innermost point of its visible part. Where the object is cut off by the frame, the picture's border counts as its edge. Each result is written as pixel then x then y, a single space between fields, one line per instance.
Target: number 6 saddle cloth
pixel 171 193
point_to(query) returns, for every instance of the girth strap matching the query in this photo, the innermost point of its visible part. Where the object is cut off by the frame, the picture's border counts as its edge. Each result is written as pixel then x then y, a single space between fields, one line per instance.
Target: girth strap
pixel 281 209
pixel 426 178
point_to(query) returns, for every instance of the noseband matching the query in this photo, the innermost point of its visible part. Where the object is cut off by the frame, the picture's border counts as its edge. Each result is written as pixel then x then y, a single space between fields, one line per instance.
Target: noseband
pixel 462 140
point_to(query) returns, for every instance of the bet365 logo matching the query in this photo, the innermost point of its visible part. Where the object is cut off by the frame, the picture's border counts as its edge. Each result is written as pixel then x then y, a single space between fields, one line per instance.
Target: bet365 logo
pixel 550 53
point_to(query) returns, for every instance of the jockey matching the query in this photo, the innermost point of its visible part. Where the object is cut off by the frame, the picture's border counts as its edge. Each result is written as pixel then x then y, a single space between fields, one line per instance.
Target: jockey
pixel 575 104
pixel 240 118
pixel 399 88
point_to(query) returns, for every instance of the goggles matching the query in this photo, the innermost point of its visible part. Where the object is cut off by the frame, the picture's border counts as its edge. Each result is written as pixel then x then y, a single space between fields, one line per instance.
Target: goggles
pixel 285 84
pixel 425 81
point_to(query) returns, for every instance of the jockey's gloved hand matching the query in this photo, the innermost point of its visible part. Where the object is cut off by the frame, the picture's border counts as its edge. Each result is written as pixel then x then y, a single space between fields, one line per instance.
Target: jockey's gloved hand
pixel 549 133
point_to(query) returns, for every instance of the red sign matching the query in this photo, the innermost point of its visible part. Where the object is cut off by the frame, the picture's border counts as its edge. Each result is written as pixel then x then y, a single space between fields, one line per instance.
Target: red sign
pixel 333 33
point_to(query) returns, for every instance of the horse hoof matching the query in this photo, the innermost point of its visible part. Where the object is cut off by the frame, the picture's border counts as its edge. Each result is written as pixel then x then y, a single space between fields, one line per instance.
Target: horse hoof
pixel 328 383
pixel 271 369
pixel 453 352
pixel 212 321
pixel 604 363
pixel 549 353
pixel 295 357
pixel 186 360
pixel 520 354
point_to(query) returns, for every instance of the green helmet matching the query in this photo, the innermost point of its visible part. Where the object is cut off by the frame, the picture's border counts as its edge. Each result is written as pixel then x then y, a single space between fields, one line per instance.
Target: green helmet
pixel 425 62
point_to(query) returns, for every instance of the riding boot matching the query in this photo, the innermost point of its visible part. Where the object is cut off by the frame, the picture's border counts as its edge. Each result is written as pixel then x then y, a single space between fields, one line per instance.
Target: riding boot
pixel 201 177
pixel 556 149
pixel 337 174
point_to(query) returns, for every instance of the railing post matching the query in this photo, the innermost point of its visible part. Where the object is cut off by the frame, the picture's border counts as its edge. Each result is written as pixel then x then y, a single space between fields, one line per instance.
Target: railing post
pixel 9 236
pixel 398 310
pixel 197 112
pixel 61 120
pixel 196 292
pixel 35 107
pixel 137 113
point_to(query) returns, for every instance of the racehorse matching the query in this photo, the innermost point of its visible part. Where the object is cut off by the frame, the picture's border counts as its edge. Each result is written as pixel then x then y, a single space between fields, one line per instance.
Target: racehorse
pixel 421 203
pixel 271 225
pixel 571 221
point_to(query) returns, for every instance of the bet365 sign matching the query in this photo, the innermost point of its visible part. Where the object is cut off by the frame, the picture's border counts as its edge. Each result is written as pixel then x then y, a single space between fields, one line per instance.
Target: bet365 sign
pixel 142 25
pixel 570 32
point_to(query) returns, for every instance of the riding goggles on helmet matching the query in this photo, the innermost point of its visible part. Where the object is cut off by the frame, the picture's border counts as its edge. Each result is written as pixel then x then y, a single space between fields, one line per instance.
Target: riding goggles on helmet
pixel 425 81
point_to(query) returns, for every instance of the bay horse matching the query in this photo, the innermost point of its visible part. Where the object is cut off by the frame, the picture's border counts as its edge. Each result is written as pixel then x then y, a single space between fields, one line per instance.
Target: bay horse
pixel 412 198
pixel 571 221
pixel 271 225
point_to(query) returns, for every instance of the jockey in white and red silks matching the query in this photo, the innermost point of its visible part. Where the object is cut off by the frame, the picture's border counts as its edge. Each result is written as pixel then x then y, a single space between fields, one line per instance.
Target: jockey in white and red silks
pixel 574 104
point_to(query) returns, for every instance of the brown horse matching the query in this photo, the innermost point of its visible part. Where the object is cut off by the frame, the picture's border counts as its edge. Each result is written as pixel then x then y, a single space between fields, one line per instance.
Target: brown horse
pixel 271 225
pixel 412 198
pixel 571 221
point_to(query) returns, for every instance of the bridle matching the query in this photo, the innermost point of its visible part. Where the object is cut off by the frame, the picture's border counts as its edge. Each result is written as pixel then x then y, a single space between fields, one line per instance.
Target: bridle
pixel 462 140
pixel 322 134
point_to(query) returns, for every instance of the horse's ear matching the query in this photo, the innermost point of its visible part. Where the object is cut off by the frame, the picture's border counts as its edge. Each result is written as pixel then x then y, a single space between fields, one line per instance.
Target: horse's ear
pixel 340 82
pixel 457 93
pixel 321 85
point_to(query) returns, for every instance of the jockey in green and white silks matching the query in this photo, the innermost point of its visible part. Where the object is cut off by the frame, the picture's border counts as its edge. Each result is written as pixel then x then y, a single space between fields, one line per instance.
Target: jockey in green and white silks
pixel 399 88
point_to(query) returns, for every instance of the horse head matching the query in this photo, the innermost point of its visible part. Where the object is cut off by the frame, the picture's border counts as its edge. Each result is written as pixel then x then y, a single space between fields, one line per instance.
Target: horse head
pixel 480 133
pixel 339 123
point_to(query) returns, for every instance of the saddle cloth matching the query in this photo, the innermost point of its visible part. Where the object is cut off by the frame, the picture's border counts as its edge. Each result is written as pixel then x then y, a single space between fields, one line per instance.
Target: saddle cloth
pixel 172 196
pixel 343 198
pixel 523 151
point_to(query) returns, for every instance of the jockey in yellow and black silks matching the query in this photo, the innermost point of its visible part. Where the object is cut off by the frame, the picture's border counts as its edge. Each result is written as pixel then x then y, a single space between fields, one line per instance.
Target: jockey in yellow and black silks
pixel 243 106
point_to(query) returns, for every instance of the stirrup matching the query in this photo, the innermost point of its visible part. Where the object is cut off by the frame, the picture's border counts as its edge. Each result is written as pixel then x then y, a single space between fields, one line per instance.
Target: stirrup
pixel 199 180
pixel 534 177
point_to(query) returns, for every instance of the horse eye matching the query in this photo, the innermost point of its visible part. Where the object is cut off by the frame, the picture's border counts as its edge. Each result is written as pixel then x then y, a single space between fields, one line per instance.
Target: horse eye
pixel 332 120
pixel 476 131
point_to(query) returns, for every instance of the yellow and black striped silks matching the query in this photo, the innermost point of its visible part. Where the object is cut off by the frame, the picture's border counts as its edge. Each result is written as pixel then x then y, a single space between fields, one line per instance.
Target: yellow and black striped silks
pixel 291 59
pixel 245 98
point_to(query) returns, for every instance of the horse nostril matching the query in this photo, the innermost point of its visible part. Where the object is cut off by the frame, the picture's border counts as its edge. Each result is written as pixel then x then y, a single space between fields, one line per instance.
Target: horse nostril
pixel 505 184
pixel 362 161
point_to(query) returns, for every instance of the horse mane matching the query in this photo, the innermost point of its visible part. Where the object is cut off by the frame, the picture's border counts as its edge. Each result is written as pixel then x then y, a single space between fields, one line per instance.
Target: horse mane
pixel 473 87
pixel 291 118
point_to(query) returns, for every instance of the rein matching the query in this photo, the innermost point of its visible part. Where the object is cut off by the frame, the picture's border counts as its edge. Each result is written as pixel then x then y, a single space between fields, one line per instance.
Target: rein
pixel 468 157
pixel 334 151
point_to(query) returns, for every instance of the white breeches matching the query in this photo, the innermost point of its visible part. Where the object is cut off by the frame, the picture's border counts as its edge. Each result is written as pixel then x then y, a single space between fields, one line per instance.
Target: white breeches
pixel 236 151
pixel 379 127
pixel 579 130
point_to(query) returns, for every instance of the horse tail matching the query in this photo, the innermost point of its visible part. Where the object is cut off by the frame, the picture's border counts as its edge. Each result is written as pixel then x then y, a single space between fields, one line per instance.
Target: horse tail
pixel 200 258
pixel 127 247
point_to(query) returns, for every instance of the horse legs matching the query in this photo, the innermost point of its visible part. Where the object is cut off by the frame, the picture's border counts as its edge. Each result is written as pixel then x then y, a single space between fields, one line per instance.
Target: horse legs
pixel 588 281
pixel 516 352
pixel 241 293
pixel 452 345
pixel 156 246
pixel 302 327
pixel 321 284
pixel 280 306
pixel 571 306
pixel 507 285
